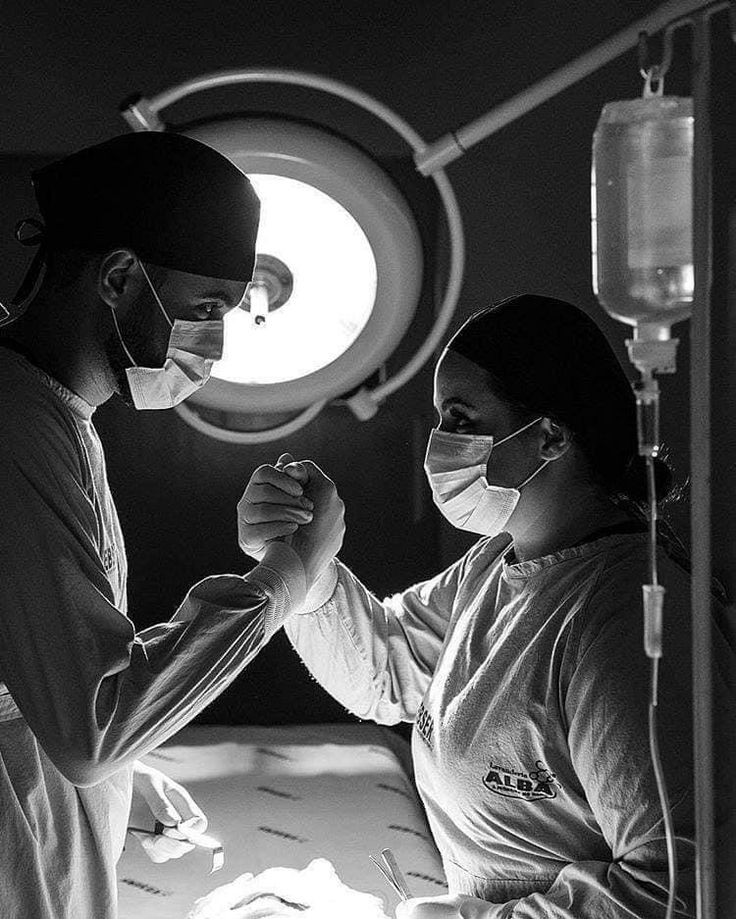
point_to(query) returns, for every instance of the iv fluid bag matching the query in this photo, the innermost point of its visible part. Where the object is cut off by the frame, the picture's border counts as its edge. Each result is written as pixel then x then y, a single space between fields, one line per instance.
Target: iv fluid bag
pixel 642 182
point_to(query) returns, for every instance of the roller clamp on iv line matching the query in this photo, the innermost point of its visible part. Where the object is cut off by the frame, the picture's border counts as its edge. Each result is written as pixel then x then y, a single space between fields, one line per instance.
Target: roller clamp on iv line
pixel 201 840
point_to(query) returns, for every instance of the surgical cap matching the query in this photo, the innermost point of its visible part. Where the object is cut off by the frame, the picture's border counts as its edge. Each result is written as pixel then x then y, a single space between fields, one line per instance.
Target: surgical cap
pixel 549 357
pixel 174 201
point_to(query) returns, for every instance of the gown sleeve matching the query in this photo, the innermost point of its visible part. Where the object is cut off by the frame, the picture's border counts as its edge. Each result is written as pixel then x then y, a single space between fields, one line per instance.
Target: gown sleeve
pixel 377 657
pixel 95 693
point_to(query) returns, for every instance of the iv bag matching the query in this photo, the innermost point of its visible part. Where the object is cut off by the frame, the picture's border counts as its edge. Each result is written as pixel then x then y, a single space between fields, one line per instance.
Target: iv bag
pixel 642 180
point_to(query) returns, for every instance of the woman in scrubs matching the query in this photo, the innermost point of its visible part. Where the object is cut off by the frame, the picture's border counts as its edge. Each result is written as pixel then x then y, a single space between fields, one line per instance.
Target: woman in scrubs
pixel 522 665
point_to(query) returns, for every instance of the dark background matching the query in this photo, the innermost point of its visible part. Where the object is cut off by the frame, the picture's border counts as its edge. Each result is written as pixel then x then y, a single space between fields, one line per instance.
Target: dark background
pixel 525 199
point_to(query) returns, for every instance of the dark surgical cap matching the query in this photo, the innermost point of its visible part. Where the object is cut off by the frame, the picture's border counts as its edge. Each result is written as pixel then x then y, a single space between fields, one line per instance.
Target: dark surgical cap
pixel 174 201
pixel 549 357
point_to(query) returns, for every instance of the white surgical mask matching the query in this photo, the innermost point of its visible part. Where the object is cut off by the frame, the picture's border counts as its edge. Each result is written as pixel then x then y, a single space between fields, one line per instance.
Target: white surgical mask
pixel 456 469
pixel 193 349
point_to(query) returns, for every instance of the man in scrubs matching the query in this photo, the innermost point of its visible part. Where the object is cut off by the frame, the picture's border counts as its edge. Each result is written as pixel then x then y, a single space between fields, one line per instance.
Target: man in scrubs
pixel 147 241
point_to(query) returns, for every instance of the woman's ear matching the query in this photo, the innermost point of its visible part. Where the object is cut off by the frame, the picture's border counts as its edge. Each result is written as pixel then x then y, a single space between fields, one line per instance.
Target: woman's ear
pixel 556 440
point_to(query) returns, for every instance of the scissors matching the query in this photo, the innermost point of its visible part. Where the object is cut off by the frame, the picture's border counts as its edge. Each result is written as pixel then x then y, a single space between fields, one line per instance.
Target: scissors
pixel 201 840
pixel 389 868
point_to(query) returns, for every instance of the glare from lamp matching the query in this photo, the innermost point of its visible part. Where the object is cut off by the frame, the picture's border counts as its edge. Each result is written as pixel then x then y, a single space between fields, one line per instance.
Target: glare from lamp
pixel 335 280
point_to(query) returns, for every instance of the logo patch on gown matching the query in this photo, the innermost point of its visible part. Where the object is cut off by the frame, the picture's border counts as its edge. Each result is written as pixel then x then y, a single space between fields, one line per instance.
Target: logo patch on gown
pixel 536 785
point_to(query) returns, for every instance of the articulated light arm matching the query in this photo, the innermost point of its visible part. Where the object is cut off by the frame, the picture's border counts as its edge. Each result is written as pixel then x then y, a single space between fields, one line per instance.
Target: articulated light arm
pixel 454 144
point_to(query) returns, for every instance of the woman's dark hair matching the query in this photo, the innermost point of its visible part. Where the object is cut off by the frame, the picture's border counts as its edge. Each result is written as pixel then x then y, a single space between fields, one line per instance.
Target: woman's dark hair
pixel 547 357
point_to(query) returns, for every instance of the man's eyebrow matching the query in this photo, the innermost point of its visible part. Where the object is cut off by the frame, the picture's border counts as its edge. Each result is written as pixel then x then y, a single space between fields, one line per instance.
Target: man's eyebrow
pixel 224 296
pixel 216 293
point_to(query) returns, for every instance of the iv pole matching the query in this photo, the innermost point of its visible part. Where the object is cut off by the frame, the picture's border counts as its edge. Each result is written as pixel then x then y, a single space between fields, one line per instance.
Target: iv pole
pixel 700 457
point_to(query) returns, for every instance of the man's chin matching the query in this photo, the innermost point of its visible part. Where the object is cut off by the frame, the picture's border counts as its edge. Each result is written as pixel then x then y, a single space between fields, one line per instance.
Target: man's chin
pixel 122 387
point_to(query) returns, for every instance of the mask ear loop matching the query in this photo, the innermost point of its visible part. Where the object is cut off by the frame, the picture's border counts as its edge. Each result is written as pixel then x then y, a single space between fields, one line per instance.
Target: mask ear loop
pixel 120 337
pixel 155 294
pixel 161 307
pixel 536 471
pixel 520 431
pixel 33 277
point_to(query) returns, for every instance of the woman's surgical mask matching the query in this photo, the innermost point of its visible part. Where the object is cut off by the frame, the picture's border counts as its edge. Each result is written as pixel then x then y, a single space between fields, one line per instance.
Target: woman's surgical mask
pixel 193 349
pixel 456 469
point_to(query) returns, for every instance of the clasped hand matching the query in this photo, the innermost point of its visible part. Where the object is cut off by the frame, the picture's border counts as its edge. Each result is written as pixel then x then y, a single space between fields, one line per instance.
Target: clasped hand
pixel 294 502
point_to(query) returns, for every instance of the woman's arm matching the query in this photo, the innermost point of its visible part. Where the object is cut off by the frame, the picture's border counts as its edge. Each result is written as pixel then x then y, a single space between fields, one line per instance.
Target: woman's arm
pixel 377 657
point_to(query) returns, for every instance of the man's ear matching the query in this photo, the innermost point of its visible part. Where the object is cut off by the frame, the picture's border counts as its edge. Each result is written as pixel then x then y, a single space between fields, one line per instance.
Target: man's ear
pixel 557 440
pixel 119 277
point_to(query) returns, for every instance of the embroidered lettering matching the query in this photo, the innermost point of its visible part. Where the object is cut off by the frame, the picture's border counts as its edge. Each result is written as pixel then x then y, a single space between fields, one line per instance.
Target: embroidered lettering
pixel 536 785
pixel 424 725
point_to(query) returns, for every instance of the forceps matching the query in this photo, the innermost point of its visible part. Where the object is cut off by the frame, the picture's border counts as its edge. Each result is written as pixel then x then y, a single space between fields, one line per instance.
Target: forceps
pixel 391 871
pixel 204 842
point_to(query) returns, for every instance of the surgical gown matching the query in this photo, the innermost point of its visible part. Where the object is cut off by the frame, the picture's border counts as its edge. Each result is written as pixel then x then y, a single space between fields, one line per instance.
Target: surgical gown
pixel 528 688
pixel 81 693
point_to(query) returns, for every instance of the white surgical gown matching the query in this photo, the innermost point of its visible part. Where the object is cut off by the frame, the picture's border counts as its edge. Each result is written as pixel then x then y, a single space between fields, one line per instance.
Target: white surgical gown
pixel 528 687
pixel 82 695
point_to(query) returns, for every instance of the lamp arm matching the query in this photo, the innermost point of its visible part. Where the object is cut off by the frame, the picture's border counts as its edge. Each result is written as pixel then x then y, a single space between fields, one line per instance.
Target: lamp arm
pixel 195 420
pixel 454 144
pixel 142 114
pixel 168 97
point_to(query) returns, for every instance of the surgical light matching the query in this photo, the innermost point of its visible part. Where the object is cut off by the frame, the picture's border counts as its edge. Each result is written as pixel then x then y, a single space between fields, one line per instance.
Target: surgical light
pixel 315 279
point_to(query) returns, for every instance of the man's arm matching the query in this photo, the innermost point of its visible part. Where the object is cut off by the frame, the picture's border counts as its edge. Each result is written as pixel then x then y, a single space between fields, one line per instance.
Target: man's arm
pixel 95 694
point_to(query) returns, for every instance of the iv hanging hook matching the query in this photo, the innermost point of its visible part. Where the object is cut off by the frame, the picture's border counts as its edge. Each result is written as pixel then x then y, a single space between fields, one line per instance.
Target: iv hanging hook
pixel 654 73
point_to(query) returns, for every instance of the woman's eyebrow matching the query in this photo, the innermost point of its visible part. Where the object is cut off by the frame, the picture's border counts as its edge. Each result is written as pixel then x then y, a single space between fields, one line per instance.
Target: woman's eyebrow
pixel 456 400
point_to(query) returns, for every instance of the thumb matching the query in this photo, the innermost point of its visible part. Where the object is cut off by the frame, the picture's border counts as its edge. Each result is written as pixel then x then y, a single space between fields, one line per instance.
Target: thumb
pixel 163 810
pixel 286 463
pixel 191 821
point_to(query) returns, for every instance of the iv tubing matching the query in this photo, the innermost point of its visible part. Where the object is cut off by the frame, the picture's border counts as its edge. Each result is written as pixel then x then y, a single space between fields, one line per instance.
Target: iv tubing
pixel 653 701
pixel 662 790
pixel 653 515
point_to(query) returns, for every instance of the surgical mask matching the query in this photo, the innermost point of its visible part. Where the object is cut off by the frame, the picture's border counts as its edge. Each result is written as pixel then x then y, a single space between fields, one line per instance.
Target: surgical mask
pixel 193 349
pixel 456 469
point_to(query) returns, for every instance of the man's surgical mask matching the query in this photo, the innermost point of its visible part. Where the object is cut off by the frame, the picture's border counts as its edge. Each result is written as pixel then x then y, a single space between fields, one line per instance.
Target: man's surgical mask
pixel 456 469
pixel 193 349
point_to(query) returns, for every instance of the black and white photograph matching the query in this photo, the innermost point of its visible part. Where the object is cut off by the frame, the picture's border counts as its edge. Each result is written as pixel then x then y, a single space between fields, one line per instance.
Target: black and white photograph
pixel 368 459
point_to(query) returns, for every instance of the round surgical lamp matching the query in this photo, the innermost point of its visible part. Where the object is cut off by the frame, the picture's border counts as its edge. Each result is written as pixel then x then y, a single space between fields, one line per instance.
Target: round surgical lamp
pixel 338 266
